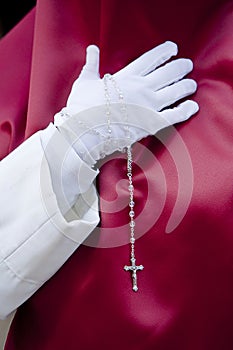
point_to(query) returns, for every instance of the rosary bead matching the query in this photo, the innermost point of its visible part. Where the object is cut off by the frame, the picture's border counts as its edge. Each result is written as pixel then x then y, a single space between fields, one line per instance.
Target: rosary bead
pixel 132 224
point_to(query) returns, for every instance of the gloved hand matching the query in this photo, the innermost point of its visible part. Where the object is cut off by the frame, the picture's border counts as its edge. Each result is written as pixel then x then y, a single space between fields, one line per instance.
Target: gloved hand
pixel 104 115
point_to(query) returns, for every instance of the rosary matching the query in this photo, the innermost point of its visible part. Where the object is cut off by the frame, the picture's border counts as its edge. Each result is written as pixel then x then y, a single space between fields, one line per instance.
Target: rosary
pixel 107 139
pixel 133 268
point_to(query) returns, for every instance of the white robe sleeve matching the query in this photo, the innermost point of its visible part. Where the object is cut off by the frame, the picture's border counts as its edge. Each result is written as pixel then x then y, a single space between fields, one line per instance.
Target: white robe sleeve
pixel 38 233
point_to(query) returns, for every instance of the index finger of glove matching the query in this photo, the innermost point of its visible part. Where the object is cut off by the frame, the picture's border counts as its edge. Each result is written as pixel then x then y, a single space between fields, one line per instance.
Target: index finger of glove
pixel 150 60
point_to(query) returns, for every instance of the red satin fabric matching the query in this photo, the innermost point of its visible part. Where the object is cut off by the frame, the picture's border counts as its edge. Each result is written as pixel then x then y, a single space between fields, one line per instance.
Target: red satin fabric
pixel 185 299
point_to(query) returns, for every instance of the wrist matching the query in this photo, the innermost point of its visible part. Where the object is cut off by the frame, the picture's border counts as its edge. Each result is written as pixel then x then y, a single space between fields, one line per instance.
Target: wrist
pixel 70 175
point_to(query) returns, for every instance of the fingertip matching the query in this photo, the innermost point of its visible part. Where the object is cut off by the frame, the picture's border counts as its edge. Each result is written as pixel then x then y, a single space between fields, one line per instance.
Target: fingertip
pixel 190 84
pixel 187 63
pixel 194 85
pixel 190 64
pixel 92 48
pixel 189 107
pixel 195 107
pixel 172 46
pixel 92 58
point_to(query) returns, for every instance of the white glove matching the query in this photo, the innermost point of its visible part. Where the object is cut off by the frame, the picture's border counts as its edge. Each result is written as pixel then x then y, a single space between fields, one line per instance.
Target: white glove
pixel 147 88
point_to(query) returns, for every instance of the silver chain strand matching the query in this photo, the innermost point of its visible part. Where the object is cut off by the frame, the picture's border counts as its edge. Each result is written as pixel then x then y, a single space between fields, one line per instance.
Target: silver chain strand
pixel 122 104
pixel 133 268
pixel 108 104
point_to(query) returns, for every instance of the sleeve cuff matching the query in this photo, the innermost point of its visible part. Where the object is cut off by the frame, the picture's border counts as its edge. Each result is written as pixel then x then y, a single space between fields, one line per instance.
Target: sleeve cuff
pixel 70 175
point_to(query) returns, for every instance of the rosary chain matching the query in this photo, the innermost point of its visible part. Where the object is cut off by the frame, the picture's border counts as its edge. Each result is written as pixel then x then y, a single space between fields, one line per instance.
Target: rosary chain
pixel 133 268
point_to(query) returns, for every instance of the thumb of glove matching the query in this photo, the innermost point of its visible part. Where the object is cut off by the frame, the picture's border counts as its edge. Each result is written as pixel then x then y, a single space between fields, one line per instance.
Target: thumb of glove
pixel 91 68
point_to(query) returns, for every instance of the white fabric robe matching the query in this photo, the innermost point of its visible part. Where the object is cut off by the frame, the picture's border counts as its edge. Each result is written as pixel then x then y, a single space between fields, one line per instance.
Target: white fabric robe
pixel 37 232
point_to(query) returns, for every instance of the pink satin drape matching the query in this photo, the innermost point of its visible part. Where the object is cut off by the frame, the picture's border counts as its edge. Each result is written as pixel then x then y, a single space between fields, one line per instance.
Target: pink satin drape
pixel 185 299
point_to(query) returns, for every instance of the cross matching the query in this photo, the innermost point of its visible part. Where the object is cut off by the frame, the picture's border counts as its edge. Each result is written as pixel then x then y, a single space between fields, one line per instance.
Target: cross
pixel 134 268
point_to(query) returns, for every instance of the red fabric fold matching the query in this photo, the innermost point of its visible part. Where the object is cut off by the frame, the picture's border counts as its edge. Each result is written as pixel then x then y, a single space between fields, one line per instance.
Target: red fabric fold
pixel 15 69
pixel 185 290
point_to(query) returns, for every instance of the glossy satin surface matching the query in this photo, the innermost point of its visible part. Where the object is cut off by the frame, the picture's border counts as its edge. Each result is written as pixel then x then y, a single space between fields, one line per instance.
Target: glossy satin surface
pixel 185 299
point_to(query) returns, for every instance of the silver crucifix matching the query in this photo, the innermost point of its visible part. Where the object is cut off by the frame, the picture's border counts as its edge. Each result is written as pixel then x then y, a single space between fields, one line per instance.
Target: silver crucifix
pixel 134 268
